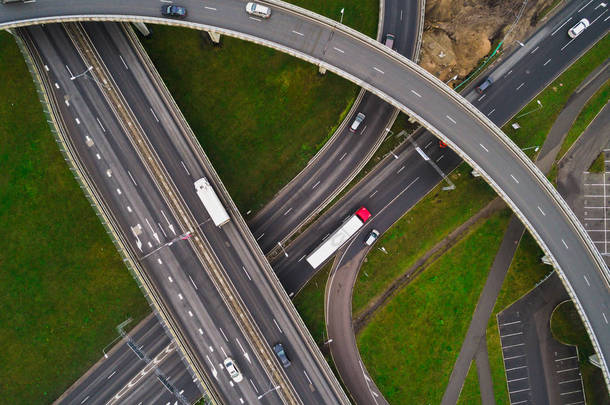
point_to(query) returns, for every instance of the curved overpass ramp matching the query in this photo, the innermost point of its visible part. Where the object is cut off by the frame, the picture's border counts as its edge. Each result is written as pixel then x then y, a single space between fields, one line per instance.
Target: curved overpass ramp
pixel 405 85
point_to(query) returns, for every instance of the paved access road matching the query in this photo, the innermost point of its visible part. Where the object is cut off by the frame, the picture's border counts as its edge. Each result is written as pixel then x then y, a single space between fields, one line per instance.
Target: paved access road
pixel 171 263
pixel 406 86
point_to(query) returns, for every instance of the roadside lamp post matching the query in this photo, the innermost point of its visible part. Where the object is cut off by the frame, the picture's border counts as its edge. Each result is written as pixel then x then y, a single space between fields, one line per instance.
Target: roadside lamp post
pixel 342 11
pixel 284 250
pixel 529 112
pixel 532 147
pixel 452 79
pixel 82 74
pixel 268 391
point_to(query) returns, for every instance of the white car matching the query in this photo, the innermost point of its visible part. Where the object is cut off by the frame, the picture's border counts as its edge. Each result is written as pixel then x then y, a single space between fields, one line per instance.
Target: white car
pixel 233 370
pixel 357 121
pixel 258 10
pixel 372 237
pixel 578 28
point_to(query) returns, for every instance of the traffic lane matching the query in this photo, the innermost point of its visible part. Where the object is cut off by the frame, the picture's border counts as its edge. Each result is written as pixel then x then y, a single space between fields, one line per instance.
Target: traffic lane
pixel 326 176
pixel 340 330
pixel 409 177
pixel 210 325
pixel 170 155
pixel 401 20
pixel 274 324
pixel 536 67
pixel 120 210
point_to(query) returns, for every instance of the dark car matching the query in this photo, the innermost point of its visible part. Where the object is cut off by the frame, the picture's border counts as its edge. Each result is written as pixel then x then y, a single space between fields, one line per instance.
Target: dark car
pixel 485 85
pixel 173 11
pixel 281 354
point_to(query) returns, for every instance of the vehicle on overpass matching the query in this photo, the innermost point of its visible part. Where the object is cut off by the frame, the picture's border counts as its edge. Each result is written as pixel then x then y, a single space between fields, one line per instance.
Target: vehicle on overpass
pixel 211 202
pixel 348 229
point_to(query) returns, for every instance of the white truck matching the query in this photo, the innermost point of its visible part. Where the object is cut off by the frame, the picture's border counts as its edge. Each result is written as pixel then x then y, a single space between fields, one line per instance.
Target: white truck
pixel 348 229
pixel 211 202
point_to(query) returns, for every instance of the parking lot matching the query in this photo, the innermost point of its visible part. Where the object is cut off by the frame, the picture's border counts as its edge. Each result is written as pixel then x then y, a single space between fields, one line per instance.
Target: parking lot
pixel 539 369
pixel 596 209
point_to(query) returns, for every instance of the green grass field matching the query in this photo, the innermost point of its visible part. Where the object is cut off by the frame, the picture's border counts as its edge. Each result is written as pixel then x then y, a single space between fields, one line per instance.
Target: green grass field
pixel 411 344
pixel 259 114
pixel 310 303
pixel 599 164
pixel 64 287
pixel 433 218
pixel 471 393
pixel 588 113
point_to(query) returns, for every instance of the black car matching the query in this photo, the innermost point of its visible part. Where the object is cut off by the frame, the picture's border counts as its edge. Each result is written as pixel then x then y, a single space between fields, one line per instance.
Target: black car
pixel 281 354
pixel 173 11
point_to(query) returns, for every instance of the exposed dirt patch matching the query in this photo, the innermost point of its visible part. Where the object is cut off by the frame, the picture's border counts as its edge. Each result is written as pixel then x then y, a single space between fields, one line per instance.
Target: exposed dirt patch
pixel 459 33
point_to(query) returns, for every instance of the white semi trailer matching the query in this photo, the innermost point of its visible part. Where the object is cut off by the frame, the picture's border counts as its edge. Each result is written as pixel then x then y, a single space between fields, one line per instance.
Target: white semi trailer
pixel 211 202
pixel 348 229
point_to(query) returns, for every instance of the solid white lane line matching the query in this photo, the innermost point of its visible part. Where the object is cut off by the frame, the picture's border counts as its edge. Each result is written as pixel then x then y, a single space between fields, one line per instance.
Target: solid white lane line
pixel 124 64
pixel 540 209
pixel 154 115
pixel 416 93
pixel 338 50
pixel 379 70
pixel 583 7
pixel 185 169
pixel 132 179
pixel 566 45
pixel 558 28
pixel 210 8
pixel 194 285
pixel 564 243
pixel 302 257
pixel 450 119
pixel 587 280
pixel 100 122
pixel 298 33
pixel 598 17
pixel 514 178
pixel 546 63
pixel 246 271
pixel 484 148
pixel 277 326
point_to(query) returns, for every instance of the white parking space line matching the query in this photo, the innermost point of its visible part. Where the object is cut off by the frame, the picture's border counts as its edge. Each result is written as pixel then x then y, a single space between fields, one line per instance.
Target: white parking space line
pixel 515 357
pixel 518 379
pixel 569 381
pixel 511 346
pixel 338 50
pixel 561 26
pixel 510 323
pixel 515 368
pixel 379 70
pixel 511 334
pixel 567 369
pixel 298 33
pixel 524 389
pixel 567 358
pixel 571 392
pixel 416 93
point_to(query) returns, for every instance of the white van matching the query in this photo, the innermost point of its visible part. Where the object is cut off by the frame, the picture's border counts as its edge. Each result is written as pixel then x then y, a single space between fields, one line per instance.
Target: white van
pixel 258 10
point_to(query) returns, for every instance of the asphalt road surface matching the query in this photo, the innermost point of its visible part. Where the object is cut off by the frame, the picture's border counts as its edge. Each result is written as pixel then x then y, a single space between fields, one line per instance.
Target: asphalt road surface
pixel 402 84
pixel 174 268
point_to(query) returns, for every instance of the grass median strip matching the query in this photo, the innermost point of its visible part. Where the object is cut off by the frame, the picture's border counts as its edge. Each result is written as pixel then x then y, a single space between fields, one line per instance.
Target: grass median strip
pixel 64 287
pixel 411 344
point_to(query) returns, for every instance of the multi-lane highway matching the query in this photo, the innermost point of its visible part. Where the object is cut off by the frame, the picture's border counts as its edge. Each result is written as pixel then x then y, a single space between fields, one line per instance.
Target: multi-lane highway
pixel 175 270
pixel 444 113
pixel 346 153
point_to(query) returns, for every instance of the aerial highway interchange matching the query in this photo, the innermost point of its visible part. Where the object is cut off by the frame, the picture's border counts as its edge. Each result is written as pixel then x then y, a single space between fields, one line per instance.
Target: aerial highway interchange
pixel 533 205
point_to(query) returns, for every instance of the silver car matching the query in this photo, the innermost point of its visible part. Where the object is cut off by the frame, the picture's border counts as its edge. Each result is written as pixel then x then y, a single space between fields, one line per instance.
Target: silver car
pixel 578 28
pixel 233 370
pixel 258 10
pixel 357 121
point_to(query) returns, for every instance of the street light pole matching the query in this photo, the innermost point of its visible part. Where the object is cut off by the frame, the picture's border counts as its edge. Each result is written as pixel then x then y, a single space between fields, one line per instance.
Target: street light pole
pixel 284 250
pixel 82 74
pixel 342 11
pixel 268 391
pixel 534 110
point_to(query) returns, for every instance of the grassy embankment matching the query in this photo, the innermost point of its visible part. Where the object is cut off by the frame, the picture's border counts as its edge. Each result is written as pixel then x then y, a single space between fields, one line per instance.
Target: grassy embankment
pixel 259 114
pixel 599 164
pixel 64 287
pixel 411 344
pixel 568 329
